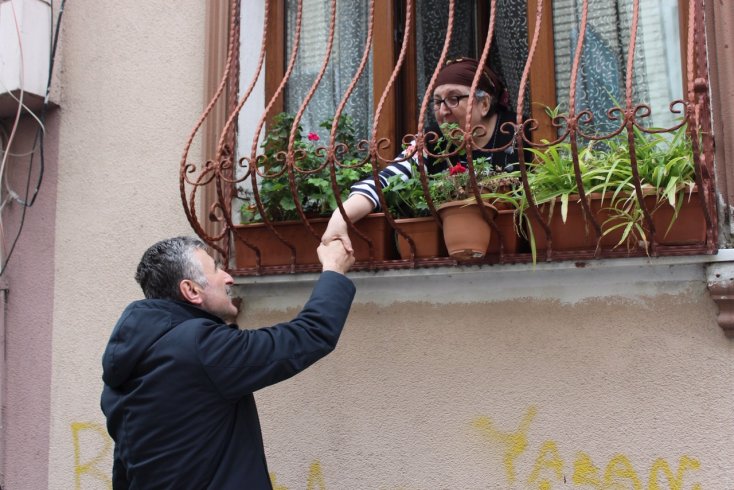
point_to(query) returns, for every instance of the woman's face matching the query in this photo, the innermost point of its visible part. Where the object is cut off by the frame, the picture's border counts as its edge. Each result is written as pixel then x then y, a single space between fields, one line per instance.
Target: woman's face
pixel 459 94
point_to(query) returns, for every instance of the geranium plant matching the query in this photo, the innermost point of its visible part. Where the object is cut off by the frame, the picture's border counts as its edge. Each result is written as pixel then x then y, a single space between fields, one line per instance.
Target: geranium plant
pixel 316 195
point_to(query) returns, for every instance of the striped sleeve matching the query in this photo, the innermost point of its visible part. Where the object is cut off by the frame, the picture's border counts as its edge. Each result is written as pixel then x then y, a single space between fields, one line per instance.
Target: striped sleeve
pixel 367 188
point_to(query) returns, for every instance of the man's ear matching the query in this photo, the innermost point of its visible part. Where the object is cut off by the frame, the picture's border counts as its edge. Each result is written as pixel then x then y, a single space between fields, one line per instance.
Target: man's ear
pixel 190 292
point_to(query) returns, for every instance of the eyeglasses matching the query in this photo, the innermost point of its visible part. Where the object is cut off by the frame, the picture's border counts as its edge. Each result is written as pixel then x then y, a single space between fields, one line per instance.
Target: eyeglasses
pixel 452 101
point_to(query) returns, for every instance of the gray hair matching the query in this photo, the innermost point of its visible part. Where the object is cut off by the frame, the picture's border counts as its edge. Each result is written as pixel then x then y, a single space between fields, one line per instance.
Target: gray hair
pixel 166 264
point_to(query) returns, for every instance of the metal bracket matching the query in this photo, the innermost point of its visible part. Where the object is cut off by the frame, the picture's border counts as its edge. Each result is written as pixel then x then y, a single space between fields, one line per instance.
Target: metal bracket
pixel 720 279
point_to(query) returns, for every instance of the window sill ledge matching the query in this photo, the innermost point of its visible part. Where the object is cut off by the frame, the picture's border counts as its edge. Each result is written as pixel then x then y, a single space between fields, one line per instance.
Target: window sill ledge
pixel 568 282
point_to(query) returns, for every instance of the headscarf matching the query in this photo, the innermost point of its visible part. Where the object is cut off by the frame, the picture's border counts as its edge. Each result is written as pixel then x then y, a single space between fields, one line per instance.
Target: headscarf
pixel 461 72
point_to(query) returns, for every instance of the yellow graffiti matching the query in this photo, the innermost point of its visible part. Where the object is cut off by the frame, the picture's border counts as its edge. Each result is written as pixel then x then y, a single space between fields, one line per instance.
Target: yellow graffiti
pixel 621 468
pixel 547 459
pixel 315 477
pixel 515 442
pixel 674 482
pixel 275 484
pixel 584 471
pixel 549 465
pixel 90 467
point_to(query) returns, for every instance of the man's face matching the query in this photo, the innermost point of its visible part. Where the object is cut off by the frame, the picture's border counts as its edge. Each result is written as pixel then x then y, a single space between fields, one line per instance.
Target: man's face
pixel 216 298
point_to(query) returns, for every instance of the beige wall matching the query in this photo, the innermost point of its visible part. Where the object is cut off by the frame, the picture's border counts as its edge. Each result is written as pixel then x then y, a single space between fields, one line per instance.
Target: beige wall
pixel 132 81
pixel 569 383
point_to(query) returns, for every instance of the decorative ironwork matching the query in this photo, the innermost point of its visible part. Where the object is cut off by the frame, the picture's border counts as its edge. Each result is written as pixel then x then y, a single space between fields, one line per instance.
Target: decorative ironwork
pixel 221 170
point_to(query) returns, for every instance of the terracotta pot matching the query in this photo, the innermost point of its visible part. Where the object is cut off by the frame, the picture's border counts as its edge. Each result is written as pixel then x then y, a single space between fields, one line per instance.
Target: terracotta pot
pixel 689 227
pixel 426 235
pixel 505 221
pixel 465 231
pixel 577 233
pixel 274 253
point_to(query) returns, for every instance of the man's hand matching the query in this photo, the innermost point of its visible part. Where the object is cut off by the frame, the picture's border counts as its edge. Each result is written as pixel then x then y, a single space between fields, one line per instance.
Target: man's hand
pixel 334 257
pixel 337 230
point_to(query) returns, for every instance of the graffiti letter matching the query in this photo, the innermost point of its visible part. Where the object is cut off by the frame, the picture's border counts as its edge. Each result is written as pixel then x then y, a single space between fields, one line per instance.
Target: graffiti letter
pixel 620 467
pixel 90 466
pixel 547 458
pixel 674 482
pixel 274 483
pixel 315 476
pixel 515 442
pixel 584 471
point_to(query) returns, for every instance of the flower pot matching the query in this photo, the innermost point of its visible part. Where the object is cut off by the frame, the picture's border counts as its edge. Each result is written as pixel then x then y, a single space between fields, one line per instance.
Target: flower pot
pixel 505 221
pixel 274 252
pixel 426 236
pixel 465 231
pixel 577 232
pixel 689 227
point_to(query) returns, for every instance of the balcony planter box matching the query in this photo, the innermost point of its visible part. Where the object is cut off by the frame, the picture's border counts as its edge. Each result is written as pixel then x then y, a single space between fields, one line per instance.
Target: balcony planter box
pixel 505 221
pixel 689 227
pixel 465 231
pixel 577 232
pixel 426 236
pixel 274 253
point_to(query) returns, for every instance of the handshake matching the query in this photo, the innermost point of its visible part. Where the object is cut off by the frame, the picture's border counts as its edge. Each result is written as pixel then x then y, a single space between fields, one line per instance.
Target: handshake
pixel 334 256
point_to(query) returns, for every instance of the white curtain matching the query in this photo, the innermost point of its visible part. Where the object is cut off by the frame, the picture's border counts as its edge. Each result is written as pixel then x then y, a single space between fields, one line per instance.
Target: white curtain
pixel 349 39
pixel 601 77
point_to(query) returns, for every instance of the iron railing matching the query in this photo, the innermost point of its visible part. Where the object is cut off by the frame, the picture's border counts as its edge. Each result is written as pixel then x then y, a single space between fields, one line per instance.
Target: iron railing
pixel 220 171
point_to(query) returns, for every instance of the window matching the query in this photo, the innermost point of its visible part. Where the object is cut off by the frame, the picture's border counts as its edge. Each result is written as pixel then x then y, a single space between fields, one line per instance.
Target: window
pixel 599 85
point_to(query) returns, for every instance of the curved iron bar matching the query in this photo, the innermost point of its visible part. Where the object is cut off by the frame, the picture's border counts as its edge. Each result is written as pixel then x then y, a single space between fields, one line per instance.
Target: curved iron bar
pixel 699 86
pixel 520 138
pixel 340 148
pixel 417 142
pixel 256 159
pixel 629 115
pixel 375 145
pixel 227 164
pixel 294 155
pixel 648 112
pixel 480 131
pixel 573 121
pixel 190 207
pixel 383 143
pixel 423 139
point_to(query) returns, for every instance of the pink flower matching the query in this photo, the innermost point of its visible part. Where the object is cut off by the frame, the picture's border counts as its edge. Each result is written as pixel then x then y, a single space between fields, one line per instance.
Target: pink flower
pixel 313 137
pixel 457 169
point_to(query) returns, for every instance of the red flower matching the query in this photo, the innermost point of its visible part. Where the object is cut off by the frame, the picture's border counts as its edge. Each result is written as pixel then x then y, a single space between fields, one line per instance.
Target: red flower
pixel 457 169
pixel 313 137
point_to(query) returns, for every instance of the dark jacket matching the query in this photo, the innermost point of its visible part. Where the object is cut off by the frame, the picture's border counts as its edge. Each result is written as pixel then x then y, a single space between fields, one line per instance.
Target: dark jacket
pixel 179 383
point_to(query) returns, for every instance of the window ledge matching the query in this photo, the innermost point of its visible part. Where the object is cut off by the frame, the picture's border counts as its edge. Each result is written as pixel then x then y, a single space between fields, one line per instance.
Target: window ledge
pixel 568 282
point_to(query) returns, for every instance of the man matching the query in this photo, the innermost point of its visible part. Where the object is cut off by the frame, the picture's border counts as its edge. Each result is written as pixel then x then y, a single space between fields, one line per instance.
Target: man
pixel 179 375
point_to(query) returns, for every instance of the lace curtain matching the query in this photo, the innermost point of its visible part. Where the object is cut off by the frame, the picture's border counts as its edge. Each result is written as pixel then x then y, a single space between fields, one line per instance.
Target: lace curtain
pixel 349 39
pixel 600 82
pixel 509 48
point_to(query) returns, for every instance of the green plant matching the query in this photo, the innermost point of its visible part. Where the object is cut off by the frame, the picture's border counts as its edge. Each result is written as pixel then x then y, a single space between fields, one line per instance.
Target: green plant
pixel 667 172
pixel 314 188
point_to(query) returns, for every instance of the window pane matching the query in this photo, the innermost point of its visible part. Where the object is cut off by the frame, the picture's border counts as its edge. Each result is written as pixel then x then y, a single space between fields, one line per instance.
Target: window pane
pixel 600 82
pixel 509 47
pixel 350 35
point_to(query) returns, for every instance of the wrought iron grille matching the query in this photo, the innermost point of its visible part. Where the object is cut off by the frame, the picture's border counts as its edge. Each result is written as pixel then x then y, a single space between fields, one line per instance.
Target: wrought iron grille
pixel 220 171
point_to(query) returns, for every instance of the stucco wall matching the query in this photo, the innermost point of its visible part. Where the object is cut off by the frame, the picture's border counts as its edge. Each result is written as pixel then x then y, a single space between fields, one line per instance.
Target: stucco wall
pixel 569 386
pixel 132 81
